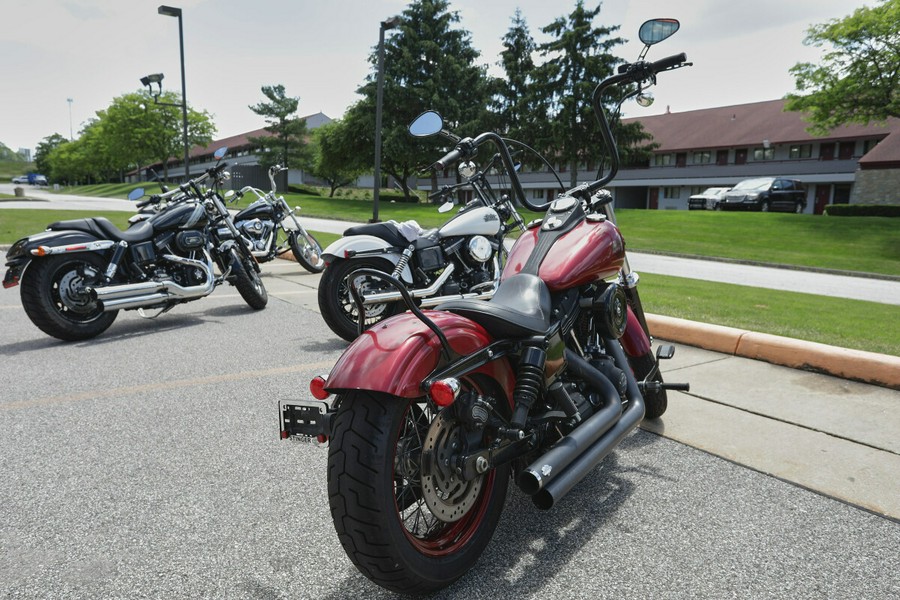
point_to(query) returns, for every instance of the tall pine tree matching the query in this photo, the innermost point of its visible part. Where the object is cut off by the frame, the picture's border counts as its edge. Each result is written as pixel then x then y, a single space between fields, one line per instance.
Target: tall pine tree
pixel 429 63
pixel 578 58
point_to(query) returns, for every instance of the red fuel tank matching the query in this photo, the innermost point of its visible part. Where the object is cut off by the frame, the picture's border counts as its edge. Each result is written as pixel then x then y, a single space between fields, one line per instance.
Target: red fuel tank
pixel 592 251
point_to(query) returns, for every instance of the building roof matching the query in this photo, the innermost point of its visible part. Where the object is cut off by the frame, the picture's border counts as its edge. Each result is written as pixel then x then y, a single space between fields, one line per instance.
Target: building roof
pixel 750 125
pixel 242 140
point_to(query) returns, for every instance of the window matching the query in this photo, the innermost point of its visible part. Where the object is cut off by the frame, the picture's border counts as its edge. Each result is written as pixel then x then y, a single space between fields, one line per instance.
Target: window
pixel 702 157
pixel 537 194
pixel 800 151
pixel 662 160
pixel 671 192
pixel 763 153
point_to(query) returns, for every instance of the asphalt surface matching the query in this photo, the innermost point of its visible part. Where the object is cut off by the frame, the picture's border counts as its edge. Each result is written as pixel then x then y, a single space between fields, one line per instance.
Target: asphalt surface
pixel 146 463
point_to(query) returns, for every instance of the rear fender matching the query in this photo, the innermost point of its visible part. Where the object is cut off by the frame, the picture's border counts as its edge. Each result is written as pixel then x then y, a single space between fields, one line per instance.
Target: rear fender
pixel 365 244
pixel 59 242
pixel 397 355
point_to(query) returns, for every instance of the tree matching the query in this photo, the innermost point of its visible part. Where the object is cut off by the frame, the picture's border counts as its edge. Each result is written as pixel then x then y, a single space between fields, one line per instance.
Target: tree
pixel 577 59
pixel 515 104
pixel 289 132
pixel 857 81
pixel 42 153
pixel 428 64
pixel 139 130
pixel 332 144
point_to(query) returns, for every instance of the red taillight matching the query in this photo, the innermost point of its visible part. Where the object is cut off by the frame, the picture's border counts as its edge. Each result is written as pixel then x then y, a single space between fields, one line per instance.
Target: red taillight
pixel 444 391
pixel 317 387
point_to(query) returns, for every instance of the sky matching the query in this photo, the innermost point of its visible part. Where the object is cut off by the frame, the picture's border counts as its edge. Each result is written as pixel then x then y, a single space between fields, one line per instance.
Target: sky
pixel 91 51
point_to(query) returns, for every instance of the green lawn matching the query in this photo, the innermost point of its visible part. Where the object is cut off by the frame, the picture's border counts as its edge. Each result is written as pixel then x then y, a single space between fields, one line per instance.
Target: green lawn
pixel 835 321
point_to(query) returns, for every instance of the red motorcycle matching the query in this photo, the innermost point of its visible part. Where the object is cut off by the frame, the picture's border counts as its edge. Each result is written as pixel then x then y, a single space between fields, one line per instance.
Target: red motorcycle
pixel 435 410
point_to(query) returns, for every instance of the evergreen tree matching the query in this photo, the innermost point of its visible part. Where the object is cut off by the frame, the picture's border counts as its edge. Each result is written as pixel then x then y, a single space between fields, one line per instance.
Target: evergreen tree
pixel 578 58
pixel 516 105
pixel 428 64
pixel 288 148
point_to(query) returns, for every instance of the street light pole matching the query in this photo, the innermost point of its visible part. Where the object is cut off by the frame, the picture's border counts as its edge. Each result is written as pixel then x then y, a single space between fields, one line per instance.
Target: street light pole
pixel 379 93
pixel 71 137
pixel 171 11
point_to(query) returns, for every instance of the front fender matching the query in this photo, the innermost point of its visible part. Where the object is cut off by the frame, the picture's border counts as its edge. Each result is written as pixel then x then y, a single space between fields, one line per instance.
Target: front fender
pixel 364 243
pixel 634 340
pixel 397 355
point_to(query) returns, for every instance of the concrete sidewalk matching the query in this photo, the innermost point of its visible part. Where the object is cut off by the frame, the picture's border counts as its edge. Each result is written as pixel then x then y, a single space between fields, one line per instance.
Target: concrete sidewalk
pixel 825 433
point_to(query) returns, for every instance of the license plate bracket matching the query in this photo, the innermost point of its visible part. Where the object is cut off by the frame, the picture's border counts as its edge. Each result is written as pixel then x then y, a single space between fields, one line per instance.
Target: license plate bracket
pixel 304 419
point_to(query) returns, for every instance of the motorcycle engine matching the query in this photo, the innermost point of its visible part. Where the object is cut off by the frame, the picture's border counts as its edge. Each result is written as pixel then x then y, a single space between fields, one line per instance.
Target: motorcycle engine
pixel 257 231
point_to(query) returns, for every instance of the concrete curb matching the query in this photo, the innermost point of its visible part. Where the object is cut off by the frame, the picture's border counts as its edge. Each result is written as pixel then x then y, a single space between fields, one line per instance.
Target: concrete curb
pixel 868 367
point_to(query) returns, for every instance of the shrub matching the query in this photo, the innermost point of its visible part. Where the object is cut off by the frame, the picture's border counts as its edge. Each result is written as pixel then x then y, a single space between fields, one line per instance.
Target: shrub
pixel 863 210
pixel 396 197
pixel 304 189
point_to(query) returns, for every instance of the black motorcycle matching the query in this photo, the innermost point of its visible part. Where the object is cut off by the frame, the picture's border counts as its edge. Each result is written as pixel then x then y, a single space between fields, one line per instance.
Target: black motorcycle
pixel 78 274
pixel 271 229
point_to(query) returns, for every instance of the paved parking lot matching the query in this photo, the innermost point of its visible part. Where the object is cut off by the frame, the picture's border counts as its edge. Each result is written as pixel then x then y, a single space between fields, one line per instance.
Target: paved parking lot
pixel 146 463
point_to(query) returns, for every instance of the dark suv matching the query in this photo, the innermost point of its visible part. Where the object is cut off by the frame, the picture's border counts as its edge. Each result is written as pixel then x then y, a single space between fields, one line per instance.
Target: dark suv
pixel 765 194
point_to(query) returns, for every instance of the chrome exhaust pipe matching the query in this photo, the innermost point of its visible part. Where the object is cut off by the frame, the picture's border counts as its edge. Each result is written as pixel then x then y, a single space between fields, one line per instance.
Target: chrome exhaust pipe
pixel 395 296
pixel 419 293
pixel 149 293
pixel 584 463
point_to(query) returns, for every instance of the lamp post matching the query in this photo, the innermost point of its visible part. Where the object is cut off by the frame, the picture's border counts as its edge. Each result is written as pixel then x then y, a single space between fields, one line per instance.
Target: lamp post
pixel 171 11
pixel 379 93
pixel 69 100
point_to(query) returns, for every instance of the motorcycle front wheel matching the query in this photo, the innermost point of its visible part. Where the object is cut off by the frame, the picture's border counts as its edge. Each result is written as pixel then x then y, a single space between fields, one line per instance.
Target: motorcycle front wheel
pixel 337 305
pixel 401 517
pixel 307 250
pixel 247 281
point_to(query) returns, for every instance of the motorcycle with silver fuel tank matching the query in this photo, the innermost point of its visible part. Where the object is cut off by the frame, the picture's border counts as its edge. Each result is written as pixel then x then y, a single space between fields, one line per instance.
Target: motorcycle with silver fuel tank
pixel 461 259
pixel 430 413
pixel 270 227
pixel 78 274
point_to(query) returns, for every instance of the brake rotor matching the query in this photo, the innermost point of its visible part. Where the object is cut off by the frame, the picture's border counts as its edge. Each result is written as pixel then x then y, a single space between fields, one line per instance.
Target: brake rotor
pixel 448 496
pixel 72 294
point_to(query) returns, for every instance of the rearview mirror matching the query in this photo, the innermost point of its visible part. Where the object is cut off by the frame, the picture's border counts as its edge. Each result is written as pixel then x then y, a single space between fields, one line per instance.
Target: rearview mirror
pixel 136 194
pixel 656 30
pixel 426 124
pixel 220 152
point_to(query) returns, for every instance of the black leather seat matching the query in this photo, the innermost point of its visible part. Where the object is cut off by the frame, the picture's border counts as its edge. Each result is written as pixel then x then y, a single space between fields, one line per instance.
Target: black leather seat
pixel 386 231
pixel 519 308
pixel 104 229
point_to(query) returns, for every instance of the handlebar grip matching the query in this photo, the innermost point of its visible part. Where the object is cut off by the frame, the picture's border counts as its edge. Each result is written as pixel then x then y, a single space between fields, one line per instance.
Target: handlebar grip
pixel 448 159
pixel 147 202
pixel 668 62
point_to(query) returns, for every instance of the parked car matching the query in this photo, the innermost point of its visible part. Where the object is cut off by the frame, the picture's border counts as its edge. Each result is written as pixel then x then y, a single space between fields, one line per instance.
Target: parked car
pixel 32 178
pixel 765 194
pixel 708 199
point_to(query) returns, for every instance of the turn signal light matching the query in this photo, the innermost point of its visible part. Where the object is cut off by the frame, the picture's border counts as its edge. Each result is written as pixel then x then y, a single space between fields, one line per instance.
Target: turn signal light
pixel 317 387
pixel 444 391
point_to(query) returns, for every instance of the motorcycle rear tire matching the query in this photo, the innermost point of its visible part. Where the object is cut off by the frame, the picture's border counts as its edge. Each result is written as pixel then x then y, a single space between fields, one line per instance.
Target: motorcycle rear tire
pixel 377 503
pixel 336 304
pixel 247 281
pixel 656 402
pixel 307 250
pixel 52 297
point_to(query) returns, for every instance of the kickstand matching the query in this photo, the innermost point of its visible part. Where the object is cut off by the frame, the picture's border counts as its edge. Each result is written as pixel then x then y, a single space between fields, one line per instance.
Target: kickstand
pixel 159 312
